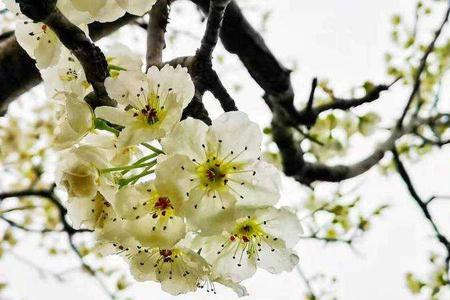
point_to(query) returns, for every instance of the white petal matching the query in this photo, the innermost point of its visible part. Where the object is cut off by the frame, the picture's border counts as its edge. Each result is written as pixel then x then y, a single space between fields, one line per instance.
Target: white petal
pixel 240 290
pixel 176 170
pixel 100 10
pixel 129 199
pixel 280 260
pixel 259 187
pixel 126 88
pixel 172 80
pixel 136 7
pixel 85 212
pixel 281 223
pixel 135 134
pixel 235 265
pixel 121 56
pixel 211 215
pixel 238 135
pixel 114 115
pixel 79 114
pixel 151 232
pixel 187 138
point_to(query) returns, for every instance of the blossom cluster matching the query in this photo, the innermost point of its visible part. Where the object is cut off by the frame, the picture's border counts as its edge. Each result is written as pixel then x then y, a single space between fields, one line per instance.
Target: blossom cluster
pixel 185 204
pixel 42 44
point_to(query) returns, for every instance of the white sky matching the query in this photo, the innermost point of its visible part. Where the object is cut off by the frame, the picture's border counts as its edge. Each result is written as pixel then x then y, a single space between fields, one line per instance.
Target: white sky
pixel 344 41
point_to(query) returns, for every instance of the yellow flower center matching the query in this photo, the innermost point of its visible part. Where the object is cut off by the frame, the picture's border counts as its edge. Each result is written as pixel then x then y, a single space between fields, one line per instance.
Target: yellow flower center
pixel 214 173
pixel 153 111
pixel 249 230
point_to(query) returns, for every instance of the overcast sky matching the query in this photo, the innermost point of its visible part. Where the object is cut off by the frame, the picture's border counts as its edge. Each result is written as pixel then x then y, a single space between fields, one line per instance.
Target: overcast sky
pixel 344 41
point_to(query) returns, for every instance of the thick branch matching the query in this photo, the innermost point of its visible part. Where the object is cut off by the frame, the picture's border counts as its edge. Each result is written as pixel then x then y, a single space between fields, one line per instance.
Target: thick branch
pixel 240 38
pixel 159 18
pixel 306 172
pixel 211 36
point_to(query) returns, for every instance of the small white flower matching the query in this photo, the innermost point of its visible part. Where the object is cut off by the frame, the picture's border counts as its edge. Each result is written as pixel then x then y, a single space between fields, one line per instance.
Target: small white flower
pixel 217 166
pixel 76 122
pixel 88 214
pixel 78 172
pixel 67 76
pixel 121 58
pixel 151 104
pixel 39 41
pixel 178 269
pixel 257 237
pixel 99 10
pixel 153 213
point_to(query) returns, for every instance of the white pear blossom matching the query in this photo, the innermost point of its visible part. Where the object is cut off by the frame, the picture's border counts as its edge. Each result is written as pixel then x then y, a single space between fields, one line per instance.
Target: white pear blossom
pixel 122 58
pixel 88 213
pixel 77 121
pixel 153 213
pixel 99 10
pixel 39 41
pixel 178 269
pixel 217 167
pixel 261 237
pixel 67 76
pixel 78 171
pixel 150 104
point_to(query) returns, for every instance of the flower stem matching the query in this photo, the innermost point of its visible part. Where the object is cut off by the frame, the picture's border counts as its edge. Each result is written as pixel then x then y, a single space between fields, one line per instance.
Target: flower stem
pixel 154 149
pixel 102 125
pixel 125 181
pixel 141 160
pixel 131 167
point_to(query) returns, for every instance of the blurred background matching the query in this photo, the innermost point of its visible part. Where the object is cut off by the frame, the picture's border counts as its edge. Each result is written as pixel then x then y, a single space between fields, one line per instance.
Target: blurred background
pixel 343 42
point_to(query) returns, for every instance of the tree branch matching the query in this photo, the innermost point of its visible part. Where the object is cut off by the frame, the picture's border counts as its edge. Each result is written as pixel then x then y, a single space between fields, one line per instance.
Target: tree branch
pixel 156 29
pixel 309 115
pixel 421 68
pixel 422 204
pixel 18 72
pixel 211 36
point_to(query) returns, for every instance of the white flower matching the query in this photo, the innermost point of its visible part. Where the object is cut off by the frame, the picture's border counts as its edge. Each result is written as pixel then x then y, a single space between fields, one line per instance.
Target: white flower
pixel 88 213
pixel 39 41
pixel 257 237
pixel 99 10
pixel 151 104
pixel 178 269
pixel 66 76
pixel 153 213
pixel 121 58
pixel 78 172
pixel 217 166
pixel 76 122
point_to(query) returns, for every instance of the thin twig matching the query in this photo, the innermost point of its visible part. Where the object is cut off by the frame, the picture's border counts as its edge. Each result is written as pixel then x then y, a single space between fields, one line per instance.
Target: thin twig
pixel 422 66
pixel 422 204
